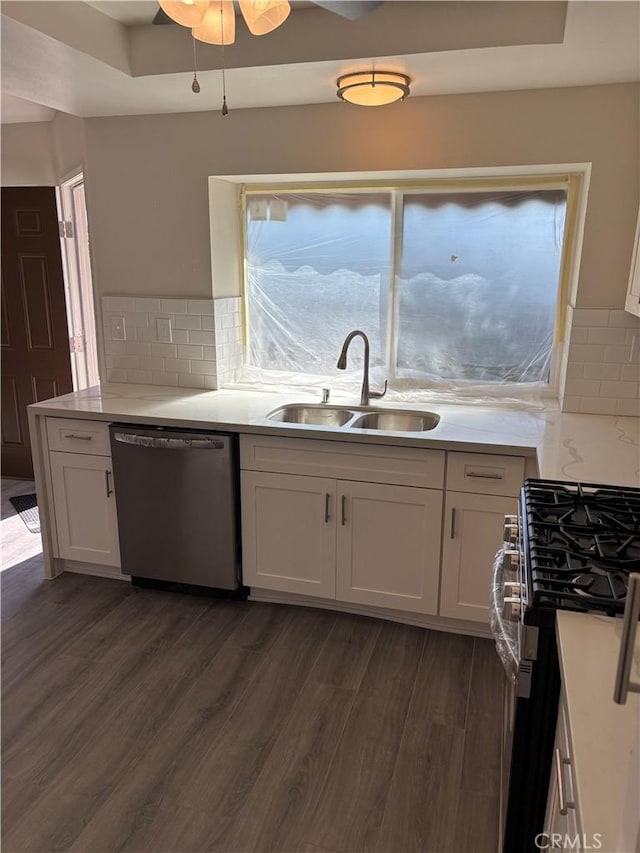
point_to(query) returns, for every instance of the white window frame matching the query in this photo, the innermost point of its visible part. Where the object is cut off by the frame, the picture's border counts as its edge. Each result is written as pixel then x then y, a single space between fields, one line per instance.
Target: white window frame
pixel 575 177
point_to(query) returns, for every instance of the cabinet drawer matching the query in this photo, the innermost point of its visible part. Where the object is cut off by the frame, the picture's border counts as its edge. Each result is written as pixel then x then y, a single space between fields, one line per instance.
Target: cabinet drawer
pixel 484 474
pixel 78 436
pixel 344 461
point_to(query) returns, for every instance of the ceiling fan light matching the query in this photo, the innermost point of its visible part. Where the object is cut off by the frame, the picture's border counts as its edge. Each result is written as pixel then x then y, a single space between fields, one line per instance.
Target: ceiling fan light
pixel 189 13
pixel 373 88
pixel 218 25
pixel 264 16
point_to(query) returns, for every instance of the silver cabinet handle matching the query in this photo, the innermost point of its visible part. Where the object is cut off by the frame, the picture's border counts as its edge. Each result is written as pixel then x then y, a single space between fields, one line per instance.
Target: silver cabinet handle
pixel 344 509
pixel 484 476
pixel 624 685
pixel 79 437
pixel 326 508
pixel 107 475
pixel 563 805
pixel 453 523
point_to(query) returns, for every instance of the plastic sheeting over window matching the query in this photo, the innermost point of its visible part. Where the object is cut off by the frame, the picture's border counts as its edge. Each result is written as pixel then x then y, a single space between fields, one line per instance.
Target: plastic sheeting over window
pixel 456 291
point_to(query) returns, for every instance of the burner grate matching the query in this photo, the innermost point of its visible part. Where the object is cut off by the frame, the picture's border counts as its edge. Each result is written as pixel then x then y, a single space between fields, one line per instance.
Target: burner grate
pixel 581 543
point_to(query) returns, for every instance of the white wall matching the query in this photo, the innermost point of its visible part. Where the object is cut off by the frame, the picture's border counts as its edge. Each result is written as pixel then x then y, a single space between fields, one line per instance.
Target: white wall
pixel 147 175
pixel 27 155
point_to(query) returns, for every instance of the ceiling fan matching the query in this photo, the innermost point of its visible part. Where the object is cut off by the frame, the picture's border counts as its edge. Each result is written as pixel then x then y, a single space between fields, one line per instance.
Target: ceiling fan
pixel 210 20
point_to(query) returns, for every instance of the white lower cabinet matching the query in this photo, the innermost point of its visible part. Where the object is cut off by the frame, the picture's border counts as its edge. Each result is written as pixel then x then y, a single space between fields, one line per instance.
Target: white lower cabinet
pixel 388 546
pixel 562 829
pixel 85 508
pixel 357 542
pixel 288 539
pixel 472 534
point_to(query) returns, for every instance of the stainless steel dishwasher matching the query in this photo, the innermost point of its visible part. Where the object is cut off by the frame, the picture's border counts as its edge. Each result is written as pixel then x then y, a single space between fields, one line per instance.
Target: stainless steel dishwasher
pixel 176 498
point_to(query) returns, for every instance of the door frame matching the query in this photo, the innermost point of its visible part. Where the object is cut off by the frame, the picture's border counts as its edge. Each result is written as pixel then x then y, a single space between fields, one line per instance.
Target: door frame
pixel 78 282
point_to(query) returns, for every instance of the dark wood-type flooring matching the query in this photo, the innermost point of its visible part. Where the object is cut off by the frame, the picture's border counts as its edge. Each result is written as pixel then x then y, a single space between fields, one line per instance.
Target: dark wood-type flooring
pixel 148 721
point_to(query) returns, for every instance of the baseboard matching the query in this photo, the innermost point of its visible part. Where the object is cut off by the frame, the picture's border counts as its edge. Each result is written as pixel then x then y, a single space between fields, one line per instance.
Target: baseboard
pixel 79 568
pixel 435 623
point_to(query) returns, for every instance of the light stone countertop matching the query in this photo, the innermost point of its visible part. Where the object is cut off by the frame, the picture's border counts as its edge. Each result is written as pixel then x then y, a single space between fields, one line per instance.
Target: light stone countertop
pixel 587 448
pixel 605 737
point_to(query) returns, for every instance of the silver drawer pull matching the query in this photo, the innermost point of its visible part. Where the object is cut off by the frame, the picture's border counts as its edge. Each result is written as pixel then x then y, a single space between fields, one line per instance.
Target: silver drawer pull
pixel 623 684
pixel 79 437
pixel 344 509
pixel 563 805
pixel 484 476
pixel 453 523
pixel 326 508
pixel 107 478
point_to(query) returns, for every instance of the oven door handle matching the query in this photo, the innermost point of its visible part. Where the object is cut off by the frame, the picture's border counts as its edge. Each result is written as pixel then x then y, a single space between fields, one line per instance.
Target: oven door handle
pixel 504 644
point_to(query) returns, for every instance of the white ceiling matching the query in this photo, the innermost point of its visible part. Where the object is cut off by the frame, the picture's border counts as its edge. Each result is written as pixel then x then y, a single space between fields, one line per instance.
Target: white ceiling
pixel 77 59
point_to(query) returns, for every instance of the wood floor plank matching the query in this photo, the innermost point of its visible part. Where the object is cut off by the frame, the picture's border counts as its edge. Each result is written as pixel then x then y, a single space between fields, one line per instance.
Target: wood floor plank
pixel 292 777
pixel 42 751
pixel 345 655
pixel 229 771
pixel 442 683
pixel 348 813
pixel 481 767
pixel 476 824
pixel 261 631
pixel 421 809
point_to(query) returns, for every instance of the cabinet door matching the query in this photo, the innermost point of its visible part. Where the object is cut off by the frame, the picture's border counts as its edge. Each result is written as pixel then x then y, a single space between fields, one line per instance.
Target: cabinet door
pixel 85 508
pixel 389 546
pixel 472 534
pixel 288 533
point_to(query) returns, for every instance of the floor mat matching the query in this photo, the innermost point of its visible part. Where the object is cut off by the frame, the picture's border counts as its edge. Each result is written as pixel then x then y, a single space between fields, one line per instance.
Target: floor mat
pixel 27 506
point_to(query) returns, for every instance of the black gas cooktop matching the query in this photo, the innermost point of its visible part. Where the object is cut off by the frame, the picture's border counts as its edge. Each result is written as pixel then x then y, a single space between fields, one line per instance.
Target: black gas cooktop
pixel 581 541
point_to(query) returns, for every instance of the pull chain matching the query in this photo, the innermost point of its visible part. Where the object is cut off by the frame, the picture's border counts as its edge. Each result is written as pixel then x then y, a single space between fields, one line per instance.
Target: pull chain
pixel 195 86
pixel 225 108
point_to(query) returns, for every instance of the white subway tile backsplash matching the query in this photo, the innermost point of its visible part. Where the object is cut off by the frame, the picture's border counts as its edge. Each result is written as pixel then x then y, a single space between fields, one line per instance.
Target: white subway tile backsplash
pixel 200 306
pixel 586 352
pixel 211 382
pixel 142 377
pixel 598 405
pixel 162 378
pixel 628 407
pixel 167 350
pixel 174 306
pixel 187 321
pixel 620 389
pixel 191 351
pixel 617 354
pixel 623 319
pixel 206 338
pixel 590 316
pixel 188 380
pixel 582 387
pixel 116 374
pixel 630 372
pixel 147 304
pixel 142 358
pixel 600 371
pixel 604 335
pixel 180 365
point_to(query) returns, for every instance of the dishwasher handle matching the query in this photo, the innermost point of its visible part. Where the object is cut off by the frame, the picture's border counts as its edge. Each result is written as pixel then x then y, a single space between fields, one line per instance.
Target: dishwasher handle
pixel 201 443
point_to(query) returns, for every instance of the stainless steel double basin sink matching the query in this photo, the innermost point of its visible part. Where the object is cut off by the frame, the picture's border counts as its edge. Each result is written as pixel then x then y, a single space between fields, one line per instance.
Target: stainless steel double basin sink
pixel 354 417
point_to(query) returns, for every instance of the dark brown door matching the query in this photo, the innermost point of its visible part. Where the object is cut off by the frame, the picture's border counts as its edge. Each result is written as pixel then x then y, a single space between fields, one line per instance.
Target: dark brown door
pixel 36 363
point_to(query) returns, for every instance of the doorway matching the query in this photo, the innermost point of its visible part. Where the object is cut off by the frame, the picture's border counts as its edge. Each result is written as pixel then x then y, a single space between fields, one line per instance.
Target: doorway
pixel 78 284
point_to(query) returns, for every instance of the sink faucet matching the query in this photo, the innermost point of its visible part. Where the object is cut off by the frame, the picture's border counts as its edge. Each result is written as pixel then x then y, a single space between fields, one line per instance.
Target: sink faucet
pixel 342 364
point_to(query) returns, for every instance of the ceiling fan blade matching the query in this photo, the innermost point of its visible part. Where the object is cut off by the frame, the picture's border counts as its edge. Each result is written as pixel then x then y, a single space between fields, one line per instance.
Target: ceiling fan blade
pixel 162 18
pixel 351 9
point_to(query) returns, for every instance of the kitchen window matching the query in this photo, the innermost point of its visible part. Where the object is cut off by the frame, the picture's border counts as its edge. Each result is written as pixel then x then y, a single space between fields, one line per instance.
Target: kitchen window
pixel 458 286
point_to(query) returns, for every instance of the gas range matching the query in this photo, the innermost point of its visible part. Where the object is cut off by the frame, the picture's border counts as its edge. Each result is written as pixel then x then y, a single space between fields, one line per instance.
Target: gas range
pixel 575 545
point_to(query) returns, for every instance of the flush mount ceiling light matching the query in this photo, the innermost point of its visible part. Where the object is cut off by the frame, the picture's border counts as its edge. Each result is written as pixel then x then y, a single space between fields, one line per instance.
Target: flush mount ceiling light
pixel 373 88
pixel 214 22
